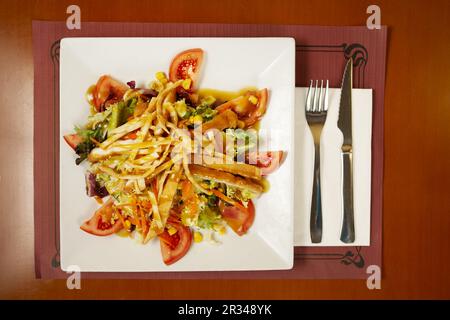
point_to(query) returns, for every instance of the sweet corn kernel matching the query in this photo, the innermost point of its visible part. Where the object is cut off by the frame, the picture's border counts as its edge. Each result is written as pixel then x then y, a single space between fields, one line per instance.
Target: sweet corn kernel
pixel 198 237
pixel 156 85
pixel 128 224
pixel 181 108
pixel 209 100
pixel 253 99
pixel 197 118
pixel 186 84
pixel 219 228
pixel 204 185
pixel 172 231
pixel 161 76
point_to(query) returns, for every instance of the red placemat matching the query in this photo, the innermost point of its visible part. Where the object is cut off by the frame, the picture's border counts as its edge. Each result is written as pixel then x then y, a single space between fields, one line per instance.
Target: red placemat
pixel 321 53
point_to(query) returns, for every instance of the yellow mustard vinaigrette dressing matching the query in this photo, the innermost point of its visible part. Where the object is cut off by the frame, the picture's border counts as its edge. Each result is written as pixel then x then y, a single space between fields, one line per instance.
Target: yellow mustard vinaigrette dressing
pixel 265 184
pixel 123 233
pixel 89 95
pixel 223 96
pixel 257 125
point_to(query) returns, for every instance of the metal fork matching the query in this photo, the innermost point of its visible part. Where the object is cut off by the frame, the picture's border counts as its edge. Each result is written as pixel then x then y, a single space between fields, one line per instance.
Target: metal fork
pixel 316 114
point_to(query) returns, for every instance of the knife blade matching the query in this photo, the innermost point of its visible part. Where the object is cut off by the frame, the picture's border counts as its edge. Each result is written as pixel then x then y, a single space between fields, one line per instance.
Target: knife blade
pixel 345 105
pixel 345 125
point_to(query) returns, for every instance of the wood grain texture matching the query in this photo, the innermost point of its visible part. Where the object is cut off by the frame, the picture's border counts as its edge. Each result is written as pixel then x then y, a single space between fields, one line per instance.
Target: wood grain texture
pixel 416 211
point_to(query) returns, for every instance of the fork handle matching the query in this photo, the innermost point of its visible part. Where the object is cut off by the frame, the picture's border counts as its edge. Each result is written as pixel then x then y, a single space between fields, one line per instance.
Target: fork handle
pixel 316 204
pixel 348 224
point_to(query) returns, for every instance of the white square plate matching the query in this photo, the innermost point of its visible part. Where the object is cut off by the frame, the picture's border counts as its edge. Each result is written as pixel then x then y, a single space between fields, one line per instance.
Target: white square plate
pixel 230 64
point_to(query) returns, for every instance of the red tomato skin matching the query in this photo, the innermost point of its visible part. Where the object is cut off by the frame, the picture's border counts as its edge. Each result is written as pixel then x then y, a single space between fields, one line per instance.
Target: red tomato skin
pixel 107 88
pixel 183 61
pixel 268 161
pixel 132 135
pixel 249 115
pixel 96 226
pixel 238 220
pixel 73 140
pixel 261 108
pixel 172 255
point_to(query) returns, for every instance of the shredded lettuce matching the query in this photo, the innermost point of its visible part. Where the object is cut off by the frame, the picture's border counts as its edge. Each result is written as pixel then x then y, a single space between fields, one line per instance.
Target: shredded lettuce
pixel 212 200
pixel 209 214
pixel 99 117
pixel 120 112
pixel 208 217
pixel 128 110
pixel 97 127
pixel 183 110
pixel 246 195
pixel 247 139
pixel 113 185
pixel 88 135
pixel 189 218
pixel 243 195
pixel 205 111
pixel 231 192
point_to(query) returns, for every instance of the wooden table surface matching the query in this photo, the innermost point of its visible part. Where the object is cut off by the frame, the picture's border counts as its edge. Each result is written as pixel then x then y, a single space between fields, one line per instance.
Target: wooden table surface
pixel 416 210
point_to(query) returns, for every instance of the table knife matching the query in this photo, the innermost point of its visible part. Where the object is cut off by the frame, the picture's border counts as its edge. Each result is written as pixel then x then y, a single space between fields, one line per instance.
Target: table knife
pixel 345 125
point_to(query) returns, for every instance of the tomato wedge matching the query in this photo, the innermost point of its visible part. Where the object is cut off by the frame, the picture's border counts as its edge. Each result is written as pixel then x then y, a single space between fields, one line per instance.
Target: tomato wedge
pixel 186 65
pixel 100 223
pixel 107 88
pixel 73 140
pixel 268 161
pixel 260 110
pixel 248 112
pixel 174 247
pixel 238 219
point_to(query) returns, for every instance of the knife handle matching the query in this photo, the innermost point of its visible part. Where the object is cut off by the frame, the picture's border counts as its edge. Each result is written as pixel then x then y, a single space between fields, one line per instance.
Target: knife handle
pixel 348 224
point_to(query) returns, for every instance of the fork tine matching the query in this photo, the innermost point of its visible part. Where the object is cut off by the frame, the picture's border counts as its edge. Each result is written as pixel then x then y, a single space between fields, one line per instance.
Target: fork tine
pixel 325 102
pixel 320 107
pixel 315 107
pixel 308 97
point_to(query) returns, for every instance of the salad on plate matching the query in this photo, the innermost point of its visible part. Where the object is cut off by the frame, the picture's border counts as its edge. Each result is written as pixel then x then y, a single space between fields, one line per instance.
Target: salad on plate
pixel 170 161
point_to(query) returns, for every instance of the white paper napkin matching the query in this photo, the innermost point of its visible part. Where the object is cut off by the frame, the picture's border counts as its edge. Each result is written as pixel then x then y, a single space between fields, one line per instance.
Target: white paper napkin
pixel 331 170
